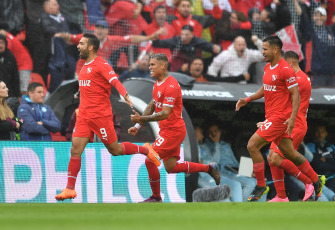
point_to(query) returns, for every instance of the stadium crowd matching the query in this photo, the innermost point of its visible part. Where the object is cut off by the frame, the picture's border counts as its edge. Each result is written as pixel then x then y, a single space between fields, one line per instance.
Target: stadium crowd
pixel 210 40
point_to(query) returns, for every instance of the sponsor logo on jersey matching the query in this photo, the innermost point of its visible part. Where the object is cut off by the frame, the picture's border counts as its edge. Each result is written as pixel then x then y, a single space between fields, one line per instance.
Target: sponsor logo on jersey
pixel 159 94
pixel 111 72
pixel 84 82
pixel 270 87
pixel 172 86
pixel 170 99
pixel 291 79
pixel 274 77
pixel 89 69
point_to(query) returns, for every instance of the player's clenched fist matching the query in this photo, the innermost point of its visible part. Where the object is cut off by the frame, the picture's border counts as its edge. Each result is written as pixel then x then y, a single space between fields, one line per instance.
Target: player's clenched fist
pixel 133 131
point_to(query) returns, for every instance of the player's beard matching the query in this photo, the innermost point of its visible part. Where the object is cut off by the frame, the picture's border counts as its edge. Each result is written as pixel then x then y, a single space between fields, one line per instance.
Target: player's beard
pixel 84 54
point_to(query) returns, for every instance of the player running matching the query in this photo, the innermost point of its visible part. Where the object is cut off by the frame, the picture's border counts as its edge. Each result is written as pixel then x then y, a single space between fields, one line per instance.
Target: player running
pixel 278 163
pixel 96 80
pixel 167 104
pixel 282 100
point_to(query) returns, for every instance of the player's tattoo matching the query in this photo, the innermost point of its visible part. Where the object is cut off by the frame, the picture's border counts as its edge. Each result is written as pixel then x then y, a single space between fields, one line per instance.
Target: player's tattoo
pixel 149 109
pixel 153 117
pixel 299 160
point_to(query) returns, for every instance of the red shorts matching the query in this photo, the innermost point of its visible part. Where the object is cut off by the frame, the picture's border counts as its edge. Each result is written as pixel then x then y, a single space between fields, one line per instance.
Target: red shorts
pixel 168 143
pixel 273 131
pixel 103 127
pixel 298 135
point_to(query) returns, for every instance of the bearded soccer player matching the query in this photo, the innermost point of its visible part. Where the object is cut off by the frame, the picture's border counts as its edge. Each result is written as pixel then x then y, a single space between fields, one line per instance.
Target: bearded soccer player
pixel 278 163
pixel 281 95
pixel 96 80
pixel 166 107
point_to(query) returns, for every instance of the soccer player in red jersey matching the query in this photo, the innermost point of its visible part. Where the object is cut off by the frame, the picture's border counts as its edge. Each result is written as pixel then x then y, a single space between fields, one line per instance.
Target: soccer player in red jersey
pixel 278 163
pixel 96 80
pixel 166 107
pixel 281 95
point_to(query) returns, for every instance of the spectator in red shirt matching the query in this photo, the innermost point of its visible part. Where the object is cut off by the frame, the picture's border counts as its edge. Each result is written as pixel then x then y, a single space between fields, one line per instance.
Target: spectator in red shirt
pixel 23 59
pixel 124 17
pixel 159 21
pixel 108 43
pixel 196 69
pixel 184 17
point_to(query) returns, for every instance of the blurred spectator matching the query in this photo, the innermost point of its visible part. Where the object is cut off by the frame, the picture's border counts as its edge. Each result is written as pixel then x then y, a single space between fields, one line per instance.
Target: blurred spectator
pixel 220 152
pixel 11 14
pixel 184 17
pixel 93 12
pixel 323 48
pixel 282 13
pixel 245 5
pixel 323 155
pixel 39 119
pixel 208 6
pixel 233 64
pixel 140 70
pixel 23 59
pixel 34 37
pixel 73 11
pixel 108 43
pixel 159 21
pixel 264 25
pixel 230 26
pixel 8 69
pixel 60 56
pixel 185 46
pixel 124 17
pixel 8 123
pixel 195 69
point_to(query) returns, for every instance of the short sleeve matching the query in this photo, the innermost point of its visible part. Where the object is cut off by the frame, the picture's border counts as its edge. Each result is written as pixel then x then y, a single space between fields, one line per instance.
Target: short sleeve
pixel 289 77
pixel 107 72
pixel 170 96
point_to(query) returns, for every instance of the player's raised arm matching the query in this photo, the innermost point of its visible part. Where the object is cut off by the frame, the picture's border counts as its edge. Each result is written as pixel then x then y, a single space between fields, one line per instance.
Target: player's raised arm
pixel 295 108
pixel 243 101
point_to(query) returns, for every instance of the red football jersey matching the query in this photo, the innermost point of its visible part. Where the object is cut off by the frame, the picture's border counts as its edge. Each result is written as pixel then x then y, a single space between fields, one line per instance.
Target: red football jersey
pixel 96 80
pixel 276 82
pixel 168 93
pixel 305 90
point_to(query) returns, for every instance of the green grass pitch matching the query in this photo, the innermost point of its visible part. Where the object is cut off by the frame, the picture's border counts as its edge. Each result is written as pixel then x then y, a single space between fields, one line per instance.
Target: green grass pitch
pixel 206 216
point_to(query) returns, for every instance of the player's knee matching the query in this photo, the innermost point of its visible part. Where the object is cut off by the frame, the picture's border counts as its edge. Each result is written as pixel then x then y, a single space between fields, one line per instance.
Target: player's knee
pixel 251 146
pixel 75 152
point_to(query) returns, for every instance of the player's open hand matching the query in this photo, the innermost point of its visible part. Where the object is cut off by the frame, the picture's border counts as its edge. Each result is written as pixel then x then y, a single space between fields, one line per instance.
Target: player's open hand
pixel 133 131
pixel 290 125
pixel 127 99
pixel 136 118
pixel 242 102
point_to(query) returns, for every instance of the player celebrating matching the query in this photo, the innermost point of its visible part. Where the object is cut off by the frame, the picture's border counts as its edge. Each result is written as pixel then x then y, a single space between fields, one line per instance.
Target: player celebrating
pixel 96 80
pixel 167 104
pixel 278 163
pixel 279 88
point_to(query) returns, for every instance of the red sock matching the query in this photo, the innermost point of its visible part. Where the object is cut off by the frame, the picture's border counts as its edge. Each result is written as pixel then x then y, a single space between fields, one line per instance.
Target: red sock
pixel 306 169
pixel 130 149
pixel 278 180
pixel 73 170
pixel 293 170
pixel 154 178
pixel 189 167
pixel 259 173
